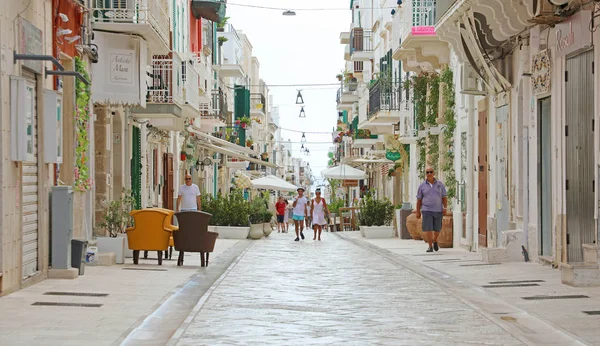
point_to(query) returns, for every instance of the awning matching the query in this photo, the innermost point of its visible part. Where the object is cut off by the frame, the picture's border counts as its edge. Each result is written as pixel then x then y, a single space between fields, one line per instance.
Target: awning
pixel 210 142
pixel 220 142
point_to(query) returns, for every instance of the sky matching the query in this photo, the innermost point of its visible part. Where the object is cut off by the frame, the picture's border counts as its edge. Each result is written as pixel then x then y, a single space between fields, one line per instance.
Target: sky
pixel 301 49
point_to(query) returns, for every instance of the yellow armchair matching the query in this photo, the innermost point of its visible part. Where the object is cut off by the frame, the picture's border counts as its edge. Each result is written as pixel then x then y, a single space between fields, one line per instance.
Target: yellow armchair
pixel 152 232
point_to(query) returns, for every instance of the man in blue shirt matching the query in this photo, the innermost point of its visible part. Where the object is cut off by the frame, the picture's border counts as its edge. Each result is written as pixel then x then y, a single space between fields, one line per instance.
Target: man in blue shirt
pixel 432 201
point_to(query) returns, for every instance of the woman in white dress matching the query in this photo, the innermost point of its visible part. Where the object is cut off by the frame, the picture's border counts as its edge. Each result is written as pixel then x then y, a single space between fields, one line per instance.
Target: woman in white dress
pixel 286 216
pixel 318 210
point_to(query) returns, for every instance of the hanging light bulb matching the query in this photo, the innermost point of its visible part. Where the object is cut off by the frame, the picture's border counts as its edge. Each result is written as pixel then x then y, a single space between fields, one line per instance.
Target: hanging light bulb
pixel 303 139
pixel 299 98
pixel 302 147
pixel 302 113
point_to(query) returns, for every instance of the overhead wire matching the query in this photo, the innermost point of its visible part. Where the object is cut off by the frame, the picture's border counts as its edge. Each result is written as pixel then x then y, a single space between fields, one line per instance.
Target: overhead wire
pixel 307 9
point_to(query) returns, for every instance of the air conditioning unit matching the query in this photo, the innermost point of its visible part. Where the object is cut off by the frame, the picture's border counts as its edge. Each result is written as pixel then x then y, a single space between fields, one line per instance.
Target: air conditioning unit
pixel 547 11
pixel 469 81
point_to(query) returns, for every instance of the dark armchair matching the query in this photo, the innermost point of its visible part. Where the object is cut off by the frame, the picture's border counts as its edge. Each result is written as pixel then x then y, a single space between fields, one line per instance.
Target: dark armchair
pixel 193 235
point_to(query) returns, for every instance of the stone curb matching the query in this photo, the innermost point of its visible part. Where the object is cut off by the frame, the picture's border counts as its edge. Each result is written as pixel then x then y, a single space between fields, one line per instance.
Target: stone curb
pixel 168 315
pixel 526 327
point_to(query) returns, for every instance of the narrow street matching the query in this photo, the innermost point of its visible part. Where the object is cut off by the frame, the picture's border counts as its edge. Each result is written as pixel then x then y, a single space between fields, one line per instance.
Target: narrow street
pixel 331 292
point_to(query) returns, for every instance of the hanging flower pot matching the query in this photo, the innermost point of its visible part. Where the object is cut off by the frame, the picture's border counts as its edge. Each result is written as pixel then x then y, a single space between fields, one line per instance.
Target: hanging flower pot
pixel 183 155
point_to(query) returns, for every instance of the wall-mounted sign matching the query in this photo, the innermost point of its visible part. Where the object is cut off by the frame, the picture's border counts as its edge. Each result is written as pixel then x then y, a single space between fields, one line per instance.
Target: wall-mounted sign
pixel 121 66
pixel 31 42
pixel 120 76
pixel 573 34
pixel 393 155
pixel 350 183
pixel 423 30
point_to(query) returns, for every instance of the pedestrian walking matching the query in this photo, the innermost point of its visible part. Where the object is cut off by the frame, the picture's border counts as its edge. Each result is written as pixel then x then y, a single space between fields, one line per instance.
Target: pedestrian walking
pixel 318 210
pixel 188 198
pixel 281 210
pixel 286 215
pixel 299 213
pixel 432 202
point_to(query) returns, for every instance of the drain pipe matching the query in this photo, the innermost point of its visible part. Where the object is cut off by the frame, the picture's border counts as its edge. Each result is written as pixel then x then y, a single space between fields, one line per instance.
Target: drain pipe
pixel 471 168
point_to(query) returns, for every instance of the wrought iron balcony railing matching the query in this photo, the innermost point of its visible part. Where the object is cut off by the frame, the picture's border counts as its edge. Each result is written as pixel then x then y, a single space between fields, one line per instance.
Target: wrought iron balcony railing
pixel 384 96
pixel 219 105
pixel 361 40
pixel 154 13
pixel 166 78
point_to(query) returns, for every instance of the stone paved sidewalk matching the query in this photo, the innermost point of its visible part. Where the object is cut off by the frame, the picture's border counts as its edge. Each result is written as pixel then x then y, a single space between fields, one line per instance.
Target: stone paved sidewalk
pixel 132 296
pixel 508 282
pixel 282 292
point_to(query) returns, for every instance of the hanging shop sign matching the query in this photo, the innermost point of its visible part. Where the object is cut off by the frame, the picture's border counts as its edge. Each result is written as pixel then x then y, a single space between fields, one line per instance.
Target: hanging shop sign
pixel 573 34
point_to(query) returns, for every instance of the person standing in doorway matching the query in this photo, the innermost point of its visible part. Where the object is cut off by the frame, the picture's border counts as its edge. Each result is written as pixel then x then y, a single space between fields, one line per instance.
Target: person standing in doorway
pixel 318 210
pixel 432 202
pixel 280 208
pixel 189 196
pixel 299 213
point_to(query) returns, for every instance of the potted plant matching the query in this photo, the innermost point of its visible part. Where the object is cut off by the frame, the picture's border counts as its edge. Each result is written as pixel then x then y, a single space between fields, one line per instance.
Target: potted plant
pixel 115 220
pixel 233 216
pixel 221 24
pixel 183 155
pixel 267 216
pixel 249 142
pixel 257 208
pixel 339 77
pixel 376 217
pixel 222 39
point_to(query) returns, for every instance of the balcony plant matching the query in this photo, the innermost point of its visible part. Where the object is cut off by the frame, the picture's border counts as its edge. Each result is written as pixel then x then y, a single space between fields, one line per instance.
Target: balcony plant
pixel 222 39
pixel 249 142
pixel 221 25
pixel 339 77
pixel 376 216
pixel 183 155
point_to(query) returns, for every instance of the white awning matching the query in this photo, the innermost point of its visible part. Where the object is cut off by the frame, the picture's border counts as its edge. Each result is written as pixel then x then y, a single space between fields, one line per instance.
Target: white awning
pixel 230 150
pixel 221 142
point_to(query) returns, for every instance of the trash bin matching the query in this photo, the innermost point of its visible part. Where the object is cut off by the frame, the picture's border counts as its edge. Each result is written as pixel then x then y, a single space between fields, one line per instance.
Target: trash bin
pixel 78 253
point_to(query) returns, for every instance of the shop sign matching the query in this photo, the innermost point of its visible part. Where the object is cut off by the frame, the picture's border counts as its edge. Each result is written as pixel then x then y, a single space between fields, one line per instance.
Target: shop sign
pixel 573 34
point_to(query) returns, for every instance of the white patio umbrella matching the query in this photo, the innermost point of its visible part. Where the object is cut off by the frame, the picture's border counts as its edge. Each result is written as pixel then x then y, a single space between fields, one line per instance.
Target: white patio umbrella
pixel 271 182
pixel 344 172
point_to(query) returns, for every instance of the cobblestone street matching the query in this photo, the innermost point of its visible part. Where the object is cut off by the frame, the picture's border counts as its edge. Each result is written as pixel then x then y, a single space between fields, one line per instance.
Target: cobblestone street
pixel 332 292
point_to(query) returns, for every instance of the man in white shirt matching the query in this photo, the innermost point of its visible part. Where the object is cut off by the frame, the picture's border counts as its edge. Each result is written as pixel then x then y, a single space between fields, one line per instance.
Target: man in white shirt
pixel 300 212
pixel 189 196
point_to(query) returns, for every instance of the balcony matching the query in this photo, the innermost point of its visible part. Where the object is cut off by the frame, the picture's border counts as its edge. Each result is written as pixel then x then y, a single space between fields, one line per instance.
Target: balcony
pixel 147 18
pixel 361 44
pixel 364 139
pixel 347 95
pixel 173 92
pixel 258 104
pixel 216 113
pixel 213 10
pixel 416 42
pixel 231 57
pixel 384 107
pixel 345 38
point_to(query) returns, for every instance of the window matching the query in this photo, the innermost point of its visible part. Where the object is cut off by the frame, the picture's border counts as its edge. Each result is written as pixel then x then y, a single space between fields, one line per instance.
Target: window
pixel 30 121
pixel 59 129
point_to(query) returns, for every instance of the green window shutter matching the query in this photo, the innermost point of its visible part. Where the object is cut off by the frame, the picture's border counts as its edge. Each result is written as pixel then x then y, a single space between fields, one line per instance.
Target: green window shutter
pixel 345 117
pixel 241 102
pixel 136 167
pixel 355 123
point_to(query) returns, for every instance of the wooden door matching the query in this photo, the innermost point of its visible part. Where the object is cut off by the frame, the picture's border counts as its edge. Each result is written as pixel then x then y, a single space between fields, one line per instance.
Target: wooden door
pixel 482 169
pixel 168 190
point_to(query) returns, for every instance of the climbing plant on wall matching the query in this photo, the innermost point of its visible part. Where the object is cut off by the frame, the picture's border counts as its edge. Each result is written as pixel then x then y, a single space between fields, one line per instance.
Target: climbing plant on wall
pixel 83 181
pixel 447 78
pixel 433 104
pixel 418 83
